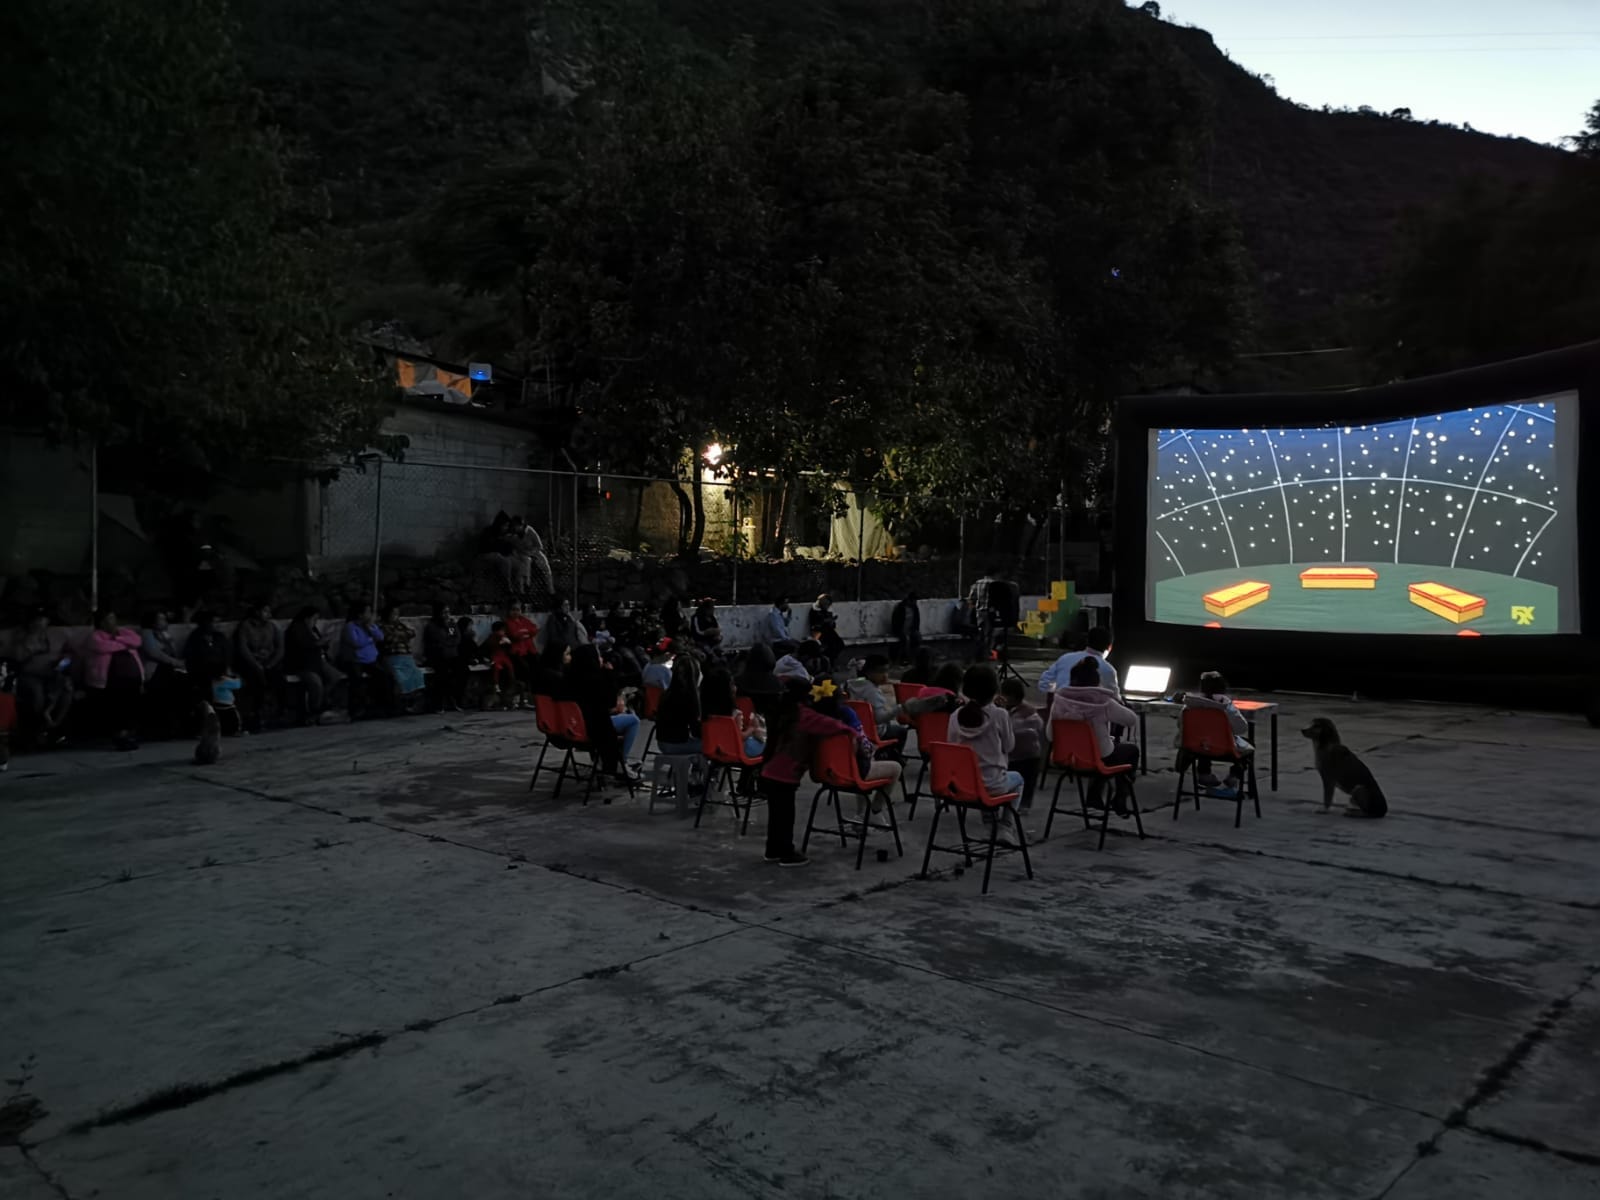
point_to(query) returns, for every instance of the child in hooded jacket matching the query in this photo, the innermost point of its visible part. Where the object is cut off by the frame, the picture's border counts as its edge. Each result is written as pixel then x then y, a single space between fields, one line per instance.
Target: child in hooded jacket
pixel 1083 699
pixel 986 727
pixel 1214 694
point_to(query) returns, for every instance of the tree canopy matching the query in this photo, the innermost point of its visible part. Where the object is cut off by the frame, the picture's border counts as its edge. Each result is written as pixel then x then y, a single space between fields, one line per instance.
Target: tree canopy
pixel 160 284
pixel 923 281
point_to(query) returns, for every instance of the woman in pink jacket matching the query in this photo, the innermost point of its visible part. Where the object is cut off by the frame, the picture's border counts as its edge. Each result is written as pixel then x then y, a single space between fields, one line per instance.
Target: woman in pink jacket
pixel 114 675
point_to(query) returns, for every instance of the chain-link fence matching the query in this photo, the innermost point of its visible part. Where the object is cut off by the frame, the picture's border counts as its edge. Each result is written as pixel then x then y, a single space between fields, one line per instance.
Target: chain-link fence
pixel 480 535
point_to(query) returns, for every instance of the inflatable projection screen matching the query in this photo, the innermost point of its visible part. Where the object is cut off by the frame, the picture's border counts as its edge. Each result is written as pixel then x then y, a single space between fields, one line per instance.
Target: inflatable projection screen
pixel 1393 530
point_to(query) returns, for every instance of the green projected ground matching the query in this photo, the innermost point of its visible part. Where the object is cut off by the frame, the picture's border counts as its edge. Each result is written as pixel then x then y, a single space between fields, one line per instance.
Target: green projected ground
pixel 1385 609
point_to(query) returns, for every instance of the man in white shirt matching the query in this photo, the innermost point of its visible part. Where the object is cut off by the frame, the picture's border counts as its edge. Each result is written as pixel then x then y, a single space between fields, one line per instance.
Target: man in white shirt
pixel 1059 672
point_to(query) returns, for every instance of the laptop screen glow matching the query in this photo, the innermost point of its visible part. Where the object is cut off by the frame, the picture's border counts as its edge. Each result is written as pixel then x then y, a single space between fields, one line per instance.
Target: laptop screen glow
pixel 1147 681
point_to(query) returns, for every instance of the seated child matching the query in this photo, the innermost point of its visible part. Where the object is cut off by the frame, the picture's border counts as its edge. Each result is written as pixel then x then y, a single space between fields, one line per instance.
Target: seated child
pixel 1085 700
pixel 1214 694
pixel 1027 731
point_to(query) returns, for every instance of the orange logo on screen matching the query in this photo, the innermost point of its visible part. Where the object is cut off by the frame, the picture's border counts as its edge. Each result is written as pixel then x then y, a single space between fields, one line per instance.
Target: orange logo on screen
pixel 1522 614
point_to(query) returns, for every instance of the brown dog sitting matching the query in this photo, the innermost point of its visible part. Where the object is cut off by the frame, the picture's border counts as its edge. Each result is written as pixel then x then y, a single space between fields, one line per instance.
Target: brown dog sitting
pixel 1341 769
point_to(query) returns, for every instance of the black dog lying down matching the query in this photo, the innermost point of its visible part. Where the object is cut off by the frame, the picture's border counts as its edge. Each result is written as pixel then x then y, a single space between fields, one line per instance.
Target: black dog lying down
pixel 1340 768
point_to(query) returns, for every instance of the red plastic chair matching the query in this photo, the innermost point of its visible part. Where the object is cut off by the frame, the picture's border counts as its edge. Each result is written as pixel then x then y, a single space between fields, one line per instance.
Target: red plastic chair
pixel 1206 733
pixel 722 742
pixel 906 691
pixel 958 784
pixel 931 727
pixel 553 723
pixel 869 729
pixel 833 765
pixel 745 705
pixel 1076 750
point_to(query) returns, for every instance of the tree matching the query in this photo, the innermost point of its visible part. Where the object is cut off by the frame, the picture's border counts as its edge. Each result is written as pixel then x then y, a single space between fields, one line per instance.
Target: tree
pixel 922 281
pixel 160 288
pixel 1588 142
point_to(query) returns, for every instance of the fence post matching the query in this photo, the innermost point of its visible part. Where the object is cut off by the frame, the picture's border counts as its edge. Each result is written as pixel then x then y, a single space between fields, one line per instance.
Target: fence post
pixel 377 535
pixel 961 556
pixel 94 527
pixel 737 542
pixel 574 542
pixel 861 543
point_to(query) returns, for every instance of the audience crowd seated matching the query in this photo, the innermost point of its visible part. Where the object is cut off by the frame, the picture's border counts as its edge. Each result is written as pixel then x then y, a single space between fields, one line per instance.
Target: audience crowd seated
pixel 153 682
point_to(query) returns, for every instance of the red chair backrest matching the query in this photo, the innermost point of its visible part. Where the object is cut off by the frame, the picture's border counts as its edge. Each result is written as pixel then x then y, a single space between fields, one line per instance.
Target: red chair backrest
pixel 1073 745
pixel 864 713
pixel 721 741
pixel 746 706
pixel 955 774
pixel 906 691
pixel 572 720
pixel 833 762
pixel 1206 732
pixel 931 726
pixel 547 716
pixel 652 701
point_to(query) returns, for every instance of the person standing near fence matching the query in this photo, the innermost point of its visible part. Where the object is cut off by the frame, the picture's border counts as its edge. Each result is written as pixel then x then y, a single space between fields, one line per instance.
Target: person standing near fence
pixel 530 566
pixel 824 625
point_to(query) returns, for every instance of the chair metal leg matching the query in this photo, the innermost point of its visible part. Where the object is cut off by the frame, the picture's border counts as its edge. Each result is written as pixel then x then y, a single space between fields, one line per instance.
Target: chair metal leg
pixel 705 794
pixel 1054 801
pixel 894 827
pixel 539 766
pixel 961 824
pixel 1105 822
pixel 838 817
pixel 927 854
pixel 866 823
pixel 1083 800
pixel 1133 802
pixel 916 793
pixel 1022 841
pixel 561 773
pixel 810 821
pixel 988 866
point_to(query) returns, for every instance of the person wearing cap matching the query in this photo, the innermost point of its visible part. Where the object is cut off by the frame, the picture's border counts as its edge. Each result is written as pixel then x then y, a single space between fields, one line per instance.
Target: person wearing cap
pixel 659 671
pixel 869 686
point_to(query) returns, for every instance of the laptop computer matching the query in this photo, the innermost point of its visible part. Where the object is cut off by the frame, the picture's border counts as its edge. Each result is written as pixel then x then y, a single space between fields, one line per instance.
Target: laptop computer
pixel 1146 683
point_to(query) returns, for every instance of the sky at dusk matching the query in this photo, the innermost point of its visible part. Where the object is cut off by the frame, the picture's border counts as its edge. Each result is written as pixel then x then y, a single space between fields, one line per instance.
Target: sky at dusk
pixel 1529 69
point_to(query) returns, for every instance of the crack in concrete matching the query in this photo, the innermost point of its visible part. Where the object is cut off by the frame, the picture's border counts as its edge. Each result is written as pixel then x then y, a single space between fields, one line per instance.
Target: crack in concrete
pixel 184 1095
pixel 1494 1080
pixel 1583 1157
pixel 49 1180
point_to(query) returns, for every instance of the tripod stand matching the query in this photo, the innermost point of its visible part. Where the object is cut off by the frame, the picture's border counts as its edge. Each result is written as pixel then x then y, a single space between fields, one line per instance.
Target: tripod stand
pixel 1000 648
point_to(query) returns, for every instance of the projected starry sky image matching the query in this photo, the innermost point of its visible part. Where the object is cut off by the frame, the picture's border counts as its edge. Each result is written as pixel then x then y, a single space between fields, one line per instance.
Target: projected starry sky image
pixel 1450 523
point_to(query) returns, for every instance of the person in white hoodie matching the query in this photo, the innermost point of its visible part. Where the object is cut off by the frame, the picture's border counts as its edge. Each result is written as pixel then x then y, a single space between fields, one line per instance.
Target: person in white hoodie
pixel 1083 699
pixel 986 727
pixel 1214 694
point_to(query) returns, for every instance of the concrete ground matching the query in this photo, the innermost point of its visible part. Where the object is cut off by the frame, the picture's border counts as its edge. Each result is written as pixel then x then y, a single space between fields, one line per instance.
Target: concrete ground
pixel 366 962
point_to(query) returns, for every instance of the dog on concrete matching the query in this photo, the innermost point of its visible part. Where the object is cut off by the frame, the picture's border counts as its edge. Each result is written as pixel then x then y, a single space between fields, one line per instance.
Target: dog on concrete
pixel 209 748
pixel 1341 769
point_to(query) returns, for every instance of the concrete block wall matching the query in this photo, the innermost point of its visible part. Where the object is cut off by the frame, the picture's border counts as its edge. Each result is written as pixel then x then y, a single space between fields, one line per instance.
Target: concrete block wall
pixel 427 509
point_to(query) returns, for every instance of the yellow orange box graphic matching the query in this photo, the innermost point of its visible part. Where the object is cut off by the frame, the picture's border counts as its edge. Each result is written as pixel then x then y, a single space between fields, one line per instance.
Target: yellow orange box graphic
pixel 1444 601
pixel 1353 578
pixel 1235 599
